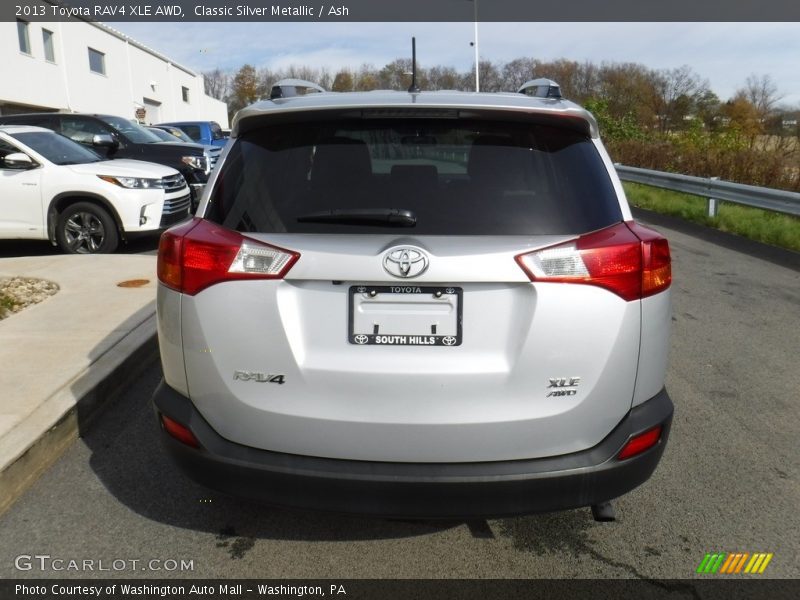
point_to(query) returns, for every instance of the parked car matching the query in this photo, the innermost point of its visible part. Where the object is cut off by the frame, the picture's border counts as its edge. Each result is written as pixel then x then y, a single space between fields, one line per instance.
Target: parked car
pixel 168 133
pixel 52 188
pixel 175 132
pixel 423 304
pixel 201 132
pixel 115 137
pixel 163 135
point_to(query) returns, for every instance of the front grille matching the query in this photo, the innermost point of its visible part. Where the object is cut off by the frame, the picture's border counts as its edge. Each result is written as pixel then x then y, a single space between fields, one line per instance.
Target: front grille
pixel 177 205
pixel 169 220
pixel 173 183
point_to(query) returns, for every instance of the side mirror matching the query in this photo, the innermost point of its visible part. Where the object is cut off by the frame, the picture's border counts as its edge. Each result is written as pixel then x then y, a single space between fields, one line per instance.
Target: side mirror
pixel 18 160
pixel 104 140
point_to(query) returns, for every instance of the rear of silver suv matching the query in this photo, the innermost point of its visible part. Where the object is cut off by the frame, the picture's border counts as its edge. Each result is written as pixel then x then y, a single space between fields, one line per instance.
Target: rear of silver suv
pixel 424 304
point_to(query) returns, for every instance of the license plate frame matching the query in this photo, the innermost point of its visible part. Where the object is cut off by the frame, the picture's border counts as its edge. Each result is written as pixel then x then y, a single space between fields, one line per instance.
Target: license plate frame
pixel 365 338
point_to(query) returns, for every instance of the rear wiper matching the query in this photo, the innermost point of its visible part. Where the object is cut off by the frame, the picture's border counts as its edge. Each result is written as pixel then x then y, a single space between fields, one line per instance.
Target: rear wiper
pixel 386 217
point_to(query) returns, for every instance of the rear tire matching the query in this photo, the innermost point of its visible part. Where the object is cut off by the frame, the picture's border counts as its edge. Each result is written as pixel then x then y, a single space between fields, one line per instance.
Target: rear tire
pixel 86 228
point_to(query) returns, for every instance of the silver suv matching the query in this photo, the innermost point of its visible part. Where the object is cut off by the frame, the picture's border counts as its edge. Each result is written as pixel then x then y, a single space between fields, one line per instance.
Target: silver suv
pixel 429 304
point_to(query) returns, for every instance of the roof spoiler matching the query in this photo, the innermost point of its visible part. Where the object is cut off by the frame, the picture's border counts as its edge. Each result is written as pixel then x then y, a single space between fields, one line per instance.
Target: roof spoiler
pixel 541 88
pixel 286 88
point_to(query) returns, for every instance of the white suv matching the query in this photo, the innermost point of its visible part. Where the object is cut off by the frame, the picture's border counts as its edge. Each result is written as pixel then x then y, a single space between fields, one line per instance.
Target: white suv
pixel 53 188
pixel 433 304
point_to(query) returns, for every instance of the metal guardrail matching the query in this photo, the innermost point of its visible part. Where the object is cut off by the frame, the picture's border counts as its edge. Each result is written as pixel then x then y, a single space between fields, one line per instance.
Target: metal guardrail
pixel 713 189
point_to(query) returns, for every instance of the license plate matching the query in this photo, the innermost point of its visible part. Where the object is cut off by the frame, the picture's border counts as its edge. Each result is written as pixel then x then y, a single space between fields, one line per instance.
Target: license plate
pixel 388 315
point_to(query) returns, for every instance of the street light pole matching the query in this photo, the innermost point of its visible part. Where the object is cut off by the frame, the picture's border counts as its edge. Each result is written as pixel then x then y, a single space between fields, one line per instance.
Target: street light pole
pixel 477 54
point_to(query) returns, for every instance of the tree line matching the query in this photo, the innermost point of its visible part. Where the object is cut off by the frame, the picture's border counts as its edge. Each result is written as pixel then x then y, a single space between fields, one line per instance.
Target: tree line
pixel 669 119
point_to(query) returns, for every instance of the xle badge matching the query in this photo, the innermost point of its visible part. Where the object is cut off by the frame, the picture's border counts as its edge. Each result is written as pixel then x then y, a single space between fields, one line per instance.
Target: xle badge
pixel 257 377
pixel 563 386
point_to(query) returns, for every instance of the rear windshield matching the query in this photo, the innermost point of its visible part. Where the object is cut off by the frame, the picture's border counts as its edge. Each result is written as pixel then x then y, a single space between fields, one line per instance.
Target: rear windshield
pixel 456 177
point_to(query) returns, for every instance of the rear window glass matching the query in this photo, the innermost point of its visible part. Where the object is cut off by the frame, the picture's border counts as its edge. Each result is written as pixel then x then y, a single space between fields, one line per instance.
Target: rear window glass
pixel 457 177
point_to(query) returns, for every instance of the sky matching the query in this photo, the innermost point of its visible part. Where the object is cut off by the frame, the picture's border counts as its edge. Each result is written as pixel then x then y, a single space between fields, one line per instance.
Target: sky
pixel 722 53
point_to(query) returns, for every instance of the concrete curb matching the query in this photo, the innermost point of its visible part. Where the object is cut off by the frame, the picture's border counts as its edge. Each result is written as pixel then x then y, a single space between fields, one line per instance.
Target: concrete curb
pixel 41 439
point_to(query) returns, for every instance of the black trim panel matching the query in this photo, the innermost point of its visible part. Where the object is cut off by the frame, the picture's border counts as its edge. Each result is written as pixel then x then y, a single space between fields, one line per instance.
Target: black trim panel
pixel 420 490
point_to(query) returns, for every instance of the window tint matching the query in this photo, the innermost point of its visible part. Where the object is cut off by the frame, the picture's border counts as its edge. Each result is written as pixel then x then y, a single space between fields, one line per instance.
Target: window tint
pixel 459 177
pixel 97 61
pixel 193 131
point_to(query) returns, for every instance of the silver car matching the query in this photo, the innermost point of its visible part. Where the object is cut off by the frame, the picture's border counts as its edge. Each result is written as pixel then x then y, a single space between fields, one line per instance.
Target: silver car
pixel 430 304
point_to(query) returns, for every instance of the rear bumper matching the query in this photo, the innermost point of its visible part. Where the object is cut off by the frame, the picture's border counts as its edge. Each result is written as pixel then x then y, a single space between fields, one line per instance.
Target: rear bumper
pixel 456 490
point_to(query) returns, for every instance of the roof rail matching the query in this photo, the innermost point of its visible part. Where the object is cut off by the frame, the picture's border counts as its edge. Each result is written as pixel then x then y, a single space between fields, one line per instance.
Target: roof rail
pixel 541 88
pixel 286 88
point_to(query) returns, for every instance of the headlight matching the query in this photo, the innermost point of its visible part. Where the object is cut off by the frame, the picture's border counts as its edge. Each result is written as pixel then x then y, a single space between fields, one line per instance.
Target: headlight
pixel 133 182
pixel 196 162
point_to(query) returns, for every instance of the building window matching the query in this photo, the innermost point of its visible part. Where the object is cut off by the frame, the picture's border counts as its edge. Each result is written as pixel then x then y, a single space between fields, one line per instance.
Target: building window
pixel 47 41
pixel 97 61
pixel 185 93
pixel 24 40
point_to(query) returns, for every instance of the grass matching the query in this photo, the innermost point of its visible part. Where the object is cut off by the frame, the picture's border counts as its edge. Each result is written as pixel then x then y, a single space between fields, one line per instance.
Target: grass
pixel 6 305
pixel 753 223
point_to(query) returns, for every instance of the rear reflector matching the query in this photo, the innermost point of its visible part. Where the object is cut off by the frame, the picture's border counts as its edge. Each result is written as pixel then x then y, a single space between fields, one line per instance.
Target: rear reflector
pixel 195 256
pixel 627 259
pixel 179 432
pixel 640 443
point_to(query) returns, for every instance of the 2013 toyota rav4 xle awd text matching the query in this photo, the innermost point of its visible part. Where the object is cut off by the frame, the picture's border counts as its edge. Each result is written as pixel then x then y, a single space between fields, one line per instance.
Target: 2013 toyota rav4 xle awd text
pixel 430 304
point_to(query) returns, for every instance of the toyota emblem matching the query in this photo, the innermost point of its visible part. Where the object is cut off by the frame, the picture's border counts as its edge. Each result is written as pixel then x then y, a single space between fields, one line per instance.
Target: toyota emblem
pixel 361 339
pixel 405 261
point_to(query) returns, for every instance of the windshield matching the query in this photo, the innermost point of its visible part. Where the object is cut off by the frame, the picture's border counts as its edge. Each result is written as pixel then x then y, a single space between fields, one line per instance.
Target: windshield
pixel 133 131
pixel 163 135
pixel 178 133
pixel 56 148
pixel 216 131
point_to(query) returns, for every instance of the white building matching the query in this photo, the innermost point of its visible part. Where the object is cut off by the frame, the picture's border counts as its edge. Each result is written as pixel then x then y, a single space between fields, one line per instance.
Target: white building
pixel 89 67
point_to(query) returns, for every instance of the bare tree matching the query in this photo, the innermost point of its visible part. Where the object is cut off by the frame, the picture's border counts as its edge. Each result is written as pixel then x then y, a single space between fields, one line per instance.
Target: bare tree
pixel 674 95
pixel 444 78
pixel 490 78
pixel 762 93
pixel 367 78
pixel 517 72
pixel 217 84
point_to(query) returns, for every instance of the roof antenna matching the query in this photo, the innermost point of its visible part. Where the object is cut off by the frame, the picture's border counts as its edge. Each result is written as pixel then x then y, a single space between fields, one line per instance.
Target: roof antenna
pixel 413 88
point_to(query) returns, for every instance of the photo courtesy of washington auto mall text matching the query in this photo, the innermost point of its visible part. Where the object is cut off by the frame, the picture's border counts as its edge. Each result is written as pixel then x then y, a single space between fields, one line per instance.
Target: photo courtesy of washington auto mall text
pixel 106 590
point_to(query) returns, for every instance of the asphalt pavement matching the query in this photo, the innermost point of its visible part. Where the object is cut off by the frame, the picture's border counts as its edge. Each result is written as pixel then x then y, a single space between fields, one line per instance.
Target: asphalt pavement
pixel 728 481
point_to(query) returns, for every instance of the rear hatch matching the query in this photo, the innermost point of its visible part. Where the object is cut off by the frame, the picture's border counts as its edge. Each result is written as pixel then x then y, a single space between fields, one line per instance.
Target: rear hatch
pixel 412 289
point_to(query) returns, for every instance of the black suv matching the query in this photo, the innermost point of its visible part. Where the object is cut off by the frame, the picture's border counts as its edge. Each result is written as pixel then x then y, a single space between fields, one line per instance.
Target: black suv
pixel 115 137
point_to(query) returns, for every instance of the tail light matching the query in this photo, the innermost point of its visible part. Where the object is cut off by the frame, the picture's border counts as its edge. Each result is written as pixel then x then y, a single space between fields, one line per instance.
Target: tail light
pixel 627 259
pixel 638 444
pixel 198 254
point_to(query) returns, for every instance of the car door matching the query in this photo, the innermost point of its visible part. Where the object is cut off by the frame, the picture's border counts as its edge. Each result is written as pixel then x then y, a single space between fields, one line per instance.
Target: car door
pixel 21 214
